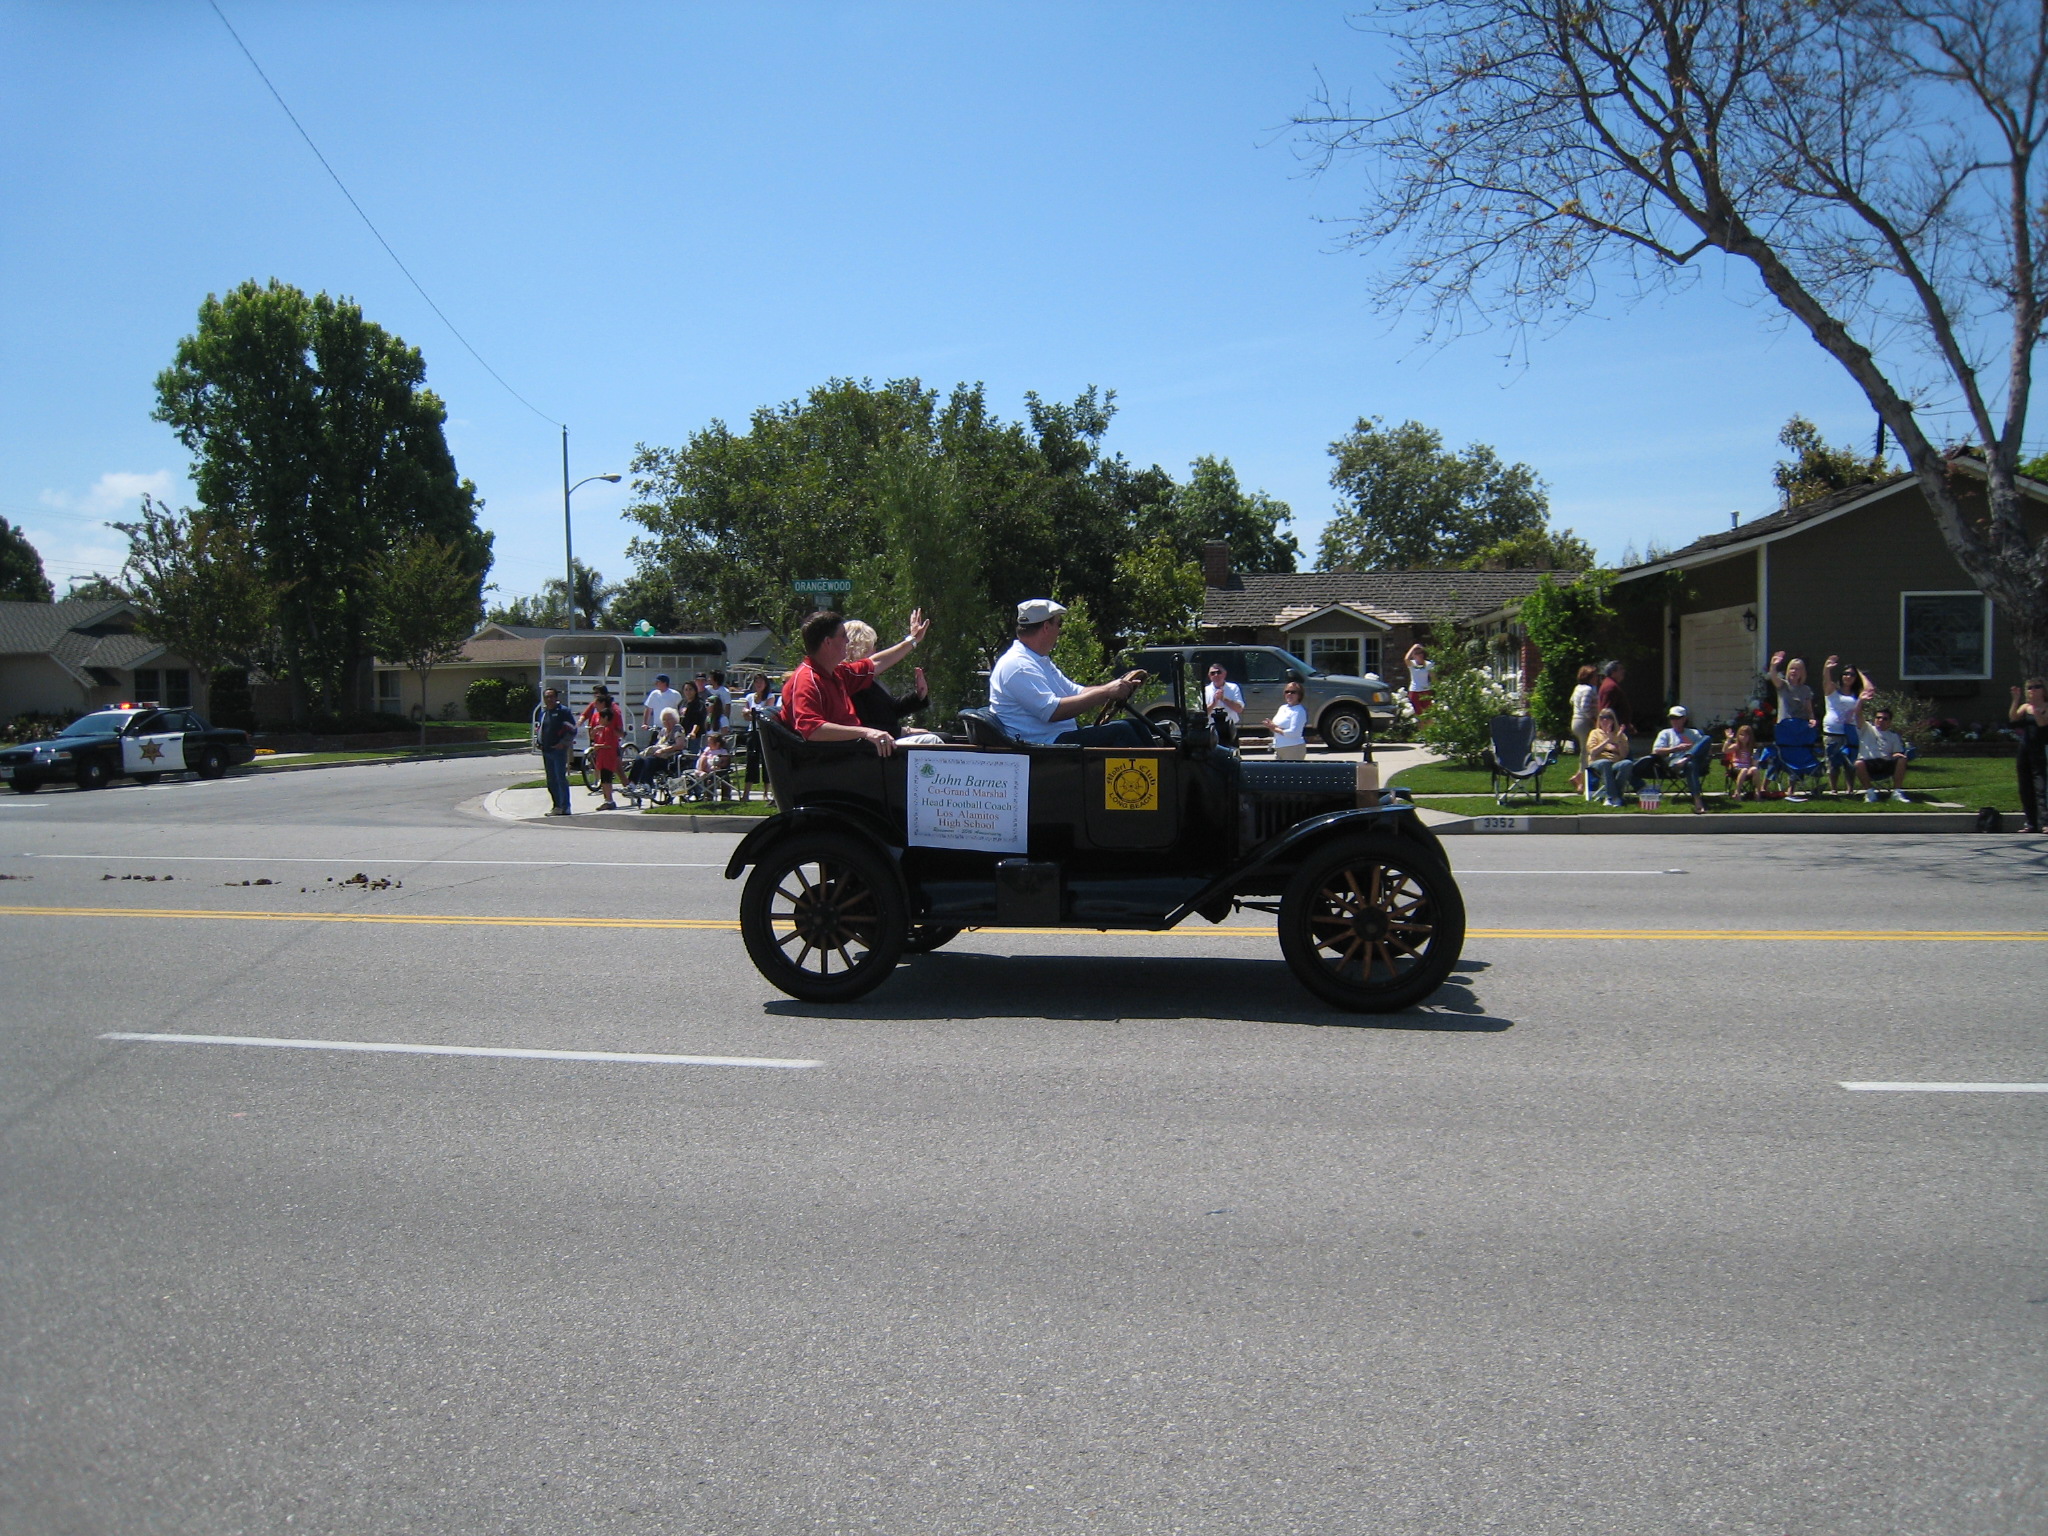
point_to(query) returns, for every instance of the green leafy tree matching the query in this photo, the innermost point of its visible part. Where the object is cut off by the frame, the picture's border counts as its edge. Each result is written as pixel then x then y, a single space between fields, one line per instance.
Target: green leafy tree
pixel 198 588
pixel 1875 168
pixel 1212 506
pixel 1571 626
pixel 100 589
pixel 1535 549
pixel 312 429
pixel 1406 504
pixel 1817 468
pixel 1161 594
pixel 424 603
pixel 930 558
pixel 21 568
pixel 1078 652
pixel 649 594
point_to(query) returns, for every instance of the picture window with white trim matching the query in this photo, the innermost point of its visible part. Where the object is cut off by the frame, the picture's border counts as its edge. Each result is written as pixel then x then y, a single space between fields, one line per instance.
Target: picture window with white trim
pixel 1944 635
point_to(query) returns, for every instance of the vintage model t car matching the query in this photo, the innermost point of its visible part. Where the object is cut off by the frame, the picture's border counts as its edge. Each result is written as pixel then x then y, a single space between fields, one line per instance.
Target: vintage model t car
pixel 872 858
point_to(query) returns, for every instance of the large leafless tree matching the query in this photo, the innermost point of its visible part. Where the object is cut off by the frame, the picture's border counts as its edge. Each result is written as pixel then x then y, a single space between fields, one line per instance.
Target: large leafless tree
pixel 1875 163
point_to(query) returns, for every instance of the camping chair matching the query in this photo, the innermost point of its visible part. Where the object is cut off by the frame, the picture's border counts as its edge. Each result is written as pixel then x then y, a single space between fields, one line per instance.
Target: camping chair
pixel 1512 759
pixel 1792 766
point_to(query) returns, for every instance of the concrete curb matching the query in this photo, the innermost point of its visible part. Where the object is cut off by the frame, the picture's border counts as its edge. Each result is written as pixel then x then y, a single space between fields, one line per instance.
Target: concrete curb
pixel 509 749
pixel 1664 824
pixel 494 806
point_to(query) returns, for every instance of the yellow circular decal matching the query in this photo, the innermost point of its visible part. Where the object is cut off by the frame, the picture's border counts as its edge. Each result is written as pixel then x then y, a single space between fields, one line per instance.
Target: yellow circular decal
pixel 1131 784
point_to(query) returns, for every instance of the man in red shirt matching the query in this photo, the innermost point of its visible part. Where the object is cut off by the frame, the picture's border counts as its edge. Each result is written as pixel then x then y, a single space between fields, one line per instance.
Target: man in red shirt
pixel 1611 696
pixel 818 698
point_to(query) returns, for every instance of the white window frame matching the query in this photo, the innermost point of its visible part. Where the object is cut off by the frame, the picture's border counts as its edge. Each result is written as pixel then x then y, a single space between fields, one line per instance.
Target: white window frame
pixel 397 695
pixel 1308 644
pixel 1944 677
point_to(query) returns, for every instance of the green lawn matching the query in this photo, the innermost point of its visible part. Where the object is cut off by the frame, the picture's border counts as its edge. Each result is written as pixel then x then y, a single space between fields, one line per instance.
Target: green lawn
pixel 376 754
pixel 755 808
pixel 501 730
pixel 1966 781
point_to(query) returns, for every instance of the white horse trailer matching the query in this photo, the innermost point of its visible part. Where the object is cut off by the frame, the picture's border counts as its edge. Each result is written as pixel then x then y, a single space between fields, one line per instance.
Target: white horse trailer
pixel 577 662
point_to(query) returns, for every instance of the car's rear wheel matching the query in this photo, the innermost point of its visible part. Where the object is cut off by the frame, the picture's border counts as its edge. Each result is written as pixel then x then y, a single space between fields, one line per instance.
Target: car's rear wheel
pixel 823 918
pixel 1372 924
pixel 212 764
pixel 1344 727
pixel 92 774
pixel 923 938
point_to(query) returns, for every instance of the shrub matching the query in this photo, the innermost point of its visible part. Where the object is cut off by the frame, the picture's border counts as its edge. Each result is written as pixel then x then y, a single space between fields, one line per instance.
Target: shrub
pixel 1460 714
pixel 484 698
pixel 521 700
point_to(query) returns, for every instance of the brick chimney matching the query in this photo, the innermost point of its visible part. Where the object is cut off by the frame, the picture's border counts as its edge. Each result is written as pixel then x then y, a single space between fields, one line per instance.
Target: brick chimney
pixel 1216 564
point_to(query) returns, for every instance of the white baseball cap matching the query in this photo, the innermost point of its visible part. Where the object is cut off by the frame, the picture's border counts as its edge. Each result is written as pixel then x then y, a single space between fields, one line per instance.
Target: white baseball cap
pixel 1037 610
pixel 1676 711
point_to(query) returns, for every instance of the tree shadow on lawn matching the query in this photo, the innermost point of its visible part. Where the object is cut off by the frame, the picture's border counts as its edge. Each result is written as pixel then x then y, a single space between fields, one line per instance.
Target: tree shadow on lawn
pixel 957 983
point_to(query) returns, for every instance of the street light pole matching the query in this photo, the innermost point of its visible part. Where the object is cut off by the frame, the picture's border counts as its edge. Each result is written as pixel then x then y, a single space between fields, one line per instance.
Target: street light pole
pixel 568 539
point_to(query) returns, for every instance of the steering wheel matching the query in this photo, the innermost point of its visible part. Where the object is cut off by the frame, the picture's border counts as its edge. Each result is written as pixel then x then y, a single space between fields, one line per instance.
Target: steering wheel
pixel 1160 733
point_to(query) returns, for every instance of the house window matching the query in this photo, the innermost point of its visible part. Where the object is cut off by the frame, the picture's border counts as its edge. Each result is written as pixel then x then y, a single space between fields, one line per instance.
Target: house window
pixel 1944 635
pixel 148 685
pixel 177 692
pixel 387 694
pixel 1346 655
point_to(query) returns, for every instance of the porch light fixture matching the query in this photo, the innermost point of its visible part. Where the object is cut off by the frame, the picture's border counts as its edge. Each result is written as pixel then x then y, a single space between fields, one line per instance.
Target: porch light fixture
pixel 1749 620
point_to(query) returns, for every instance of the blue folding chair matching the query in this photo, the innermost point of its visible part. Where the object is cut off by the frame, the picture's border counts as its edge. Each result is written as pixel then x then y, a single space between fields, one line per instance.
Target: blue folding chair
pixel 1512 758
pixel 1791 764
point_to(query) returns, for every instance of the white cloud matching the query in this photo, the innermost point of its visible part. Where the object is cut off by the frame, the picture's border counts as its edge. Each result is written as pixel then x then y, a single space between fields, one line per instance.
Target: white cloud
pixel 118 491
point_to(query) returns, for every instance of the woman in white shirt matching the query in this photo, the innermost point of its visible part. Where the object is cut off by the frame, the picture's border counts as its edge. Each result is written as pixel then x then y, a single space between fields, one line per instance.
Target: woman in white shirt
pixel 1585 699
pixel 1290 720
pixel 1845 696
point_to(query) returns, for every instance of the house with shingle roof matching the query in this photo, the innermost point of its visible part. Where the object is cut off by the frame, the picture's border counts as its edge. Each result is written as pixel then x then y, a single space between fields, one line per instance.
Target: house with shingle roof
pixel 1350 621
pixel 1863 574
pixel 85 652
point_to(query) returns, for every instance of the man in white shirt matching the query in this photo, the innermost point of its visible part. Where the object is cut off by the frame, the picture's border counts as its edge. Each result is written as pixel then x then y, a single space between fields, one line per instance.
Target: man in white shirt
pixel 1038 703
pixel 660 697
pixel 1224 702
pixel 1681 749
pixel 1881 754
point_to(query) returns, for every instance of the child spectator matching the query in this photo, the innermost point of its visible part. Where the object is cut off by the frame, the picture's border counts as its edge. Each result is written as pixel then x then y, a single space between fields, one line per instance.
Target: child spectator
pixel 1795 694
pixel 1742 765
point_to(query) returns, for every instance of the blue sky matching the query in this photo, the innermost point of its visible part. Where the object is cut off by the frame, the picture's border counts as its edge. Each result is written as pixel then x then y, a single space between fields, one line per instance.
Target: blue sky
pixel 649 216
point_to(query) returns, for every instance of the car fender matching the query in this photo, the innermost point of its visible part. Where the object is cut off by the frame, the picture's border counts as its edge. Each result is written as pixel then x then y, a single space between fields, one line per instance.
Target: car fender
pixel 1397 817
pixel 784 824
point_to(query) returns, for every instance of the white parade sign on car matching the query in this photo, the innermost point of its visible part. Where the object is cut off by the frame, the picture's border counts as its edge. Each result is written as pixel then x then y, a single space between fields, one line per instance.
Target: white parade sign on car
pixel 969 800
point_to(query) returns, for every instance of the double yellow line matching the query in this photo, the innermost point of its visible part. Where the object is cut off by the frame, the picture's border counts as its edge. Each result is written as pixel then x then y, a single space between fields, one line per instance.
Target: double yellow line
pixel 729 925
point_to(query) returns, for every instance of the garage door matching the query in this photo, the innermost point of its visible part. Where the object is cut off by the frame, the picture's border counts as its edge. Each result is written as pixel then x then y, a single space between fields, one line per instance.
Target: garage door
pixel 1716 663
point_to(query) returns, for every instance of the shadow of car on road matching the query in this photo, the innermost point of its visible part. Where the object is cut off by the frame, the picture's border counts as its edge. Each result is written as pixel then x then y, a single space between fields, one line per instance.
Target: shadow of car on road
pixel 958 983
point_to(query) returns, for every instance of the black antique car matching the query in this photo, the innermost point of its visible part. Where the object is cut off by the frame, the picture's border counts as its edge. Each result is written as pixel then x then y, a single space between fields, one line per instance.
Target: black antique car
pixel 141 741
pixel 852 873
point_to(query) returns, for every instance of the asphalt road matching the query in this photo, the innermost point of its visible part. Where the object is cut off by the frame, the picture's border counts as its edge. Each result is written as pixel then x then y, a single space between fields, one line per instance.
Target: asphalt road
pixel 1062 1233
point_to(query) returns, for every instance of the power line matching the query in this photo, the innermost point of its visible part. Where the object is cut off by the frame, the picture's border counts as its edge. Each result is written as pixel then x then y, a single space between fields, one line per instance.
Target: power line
pixel 487 368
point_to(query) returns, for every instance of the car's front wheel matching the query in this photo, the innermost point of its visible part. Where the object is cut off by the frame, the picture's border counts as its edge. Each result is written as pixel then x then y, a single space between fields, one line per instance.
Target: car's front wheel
pixel 823 917
pixel 1372 924
pixel 1344 728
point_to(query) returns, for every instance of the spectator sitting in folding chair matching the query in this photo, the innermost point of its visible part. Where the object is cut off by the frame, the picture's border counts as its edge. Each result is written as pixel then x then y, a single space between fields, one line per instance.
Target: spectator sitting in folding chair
pixel 1680 751
pixel 1881 753
pixel 1608 769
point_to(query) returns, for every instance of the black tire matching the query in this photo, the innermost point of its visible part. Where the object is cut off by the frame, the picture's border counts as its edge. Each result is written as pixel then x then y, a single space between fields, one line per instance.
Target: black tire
pixel 212 764
pixel 1344 727
pixel 831 898
pixel 27 786
pixel 92 774
pixel 923 938
pixel 1372 924
pixel 589 774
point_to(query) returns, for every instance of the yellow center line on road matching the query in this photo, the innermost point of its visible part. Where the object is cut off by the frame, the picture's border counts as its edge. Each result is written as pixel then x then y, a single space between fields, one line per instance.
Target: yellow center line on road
pixel 729 925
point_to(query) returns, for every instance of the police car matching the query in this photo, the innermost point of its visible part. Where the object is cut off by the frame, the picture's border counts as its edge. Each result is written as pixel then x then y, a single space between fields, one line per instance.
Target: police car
pixel 138 741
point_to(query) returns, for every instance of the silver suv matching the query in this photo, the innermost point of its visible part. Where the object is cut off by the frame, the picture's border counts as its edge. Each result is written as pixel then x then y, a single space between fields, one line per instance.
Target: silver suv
pixel 1340 708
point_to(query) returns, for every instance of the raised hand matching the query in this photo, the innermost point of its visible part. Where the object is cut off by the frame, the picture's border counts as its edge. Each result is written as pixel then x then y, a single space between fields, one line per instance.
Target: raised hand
pixel 918 625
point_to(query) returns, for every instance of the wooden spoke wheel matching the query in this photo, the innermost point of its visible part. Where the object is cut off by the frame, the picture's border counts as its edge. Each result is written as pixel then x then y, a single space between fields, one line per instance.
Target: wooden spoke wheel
pixel 823 918
pixel 1372 924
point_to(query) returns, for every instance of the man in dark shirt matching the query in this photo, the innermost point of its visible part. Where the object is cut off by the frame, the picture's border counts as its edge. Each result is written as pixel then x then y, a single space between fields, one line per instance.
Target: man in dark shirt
pixel 1611 695
pixel 554 733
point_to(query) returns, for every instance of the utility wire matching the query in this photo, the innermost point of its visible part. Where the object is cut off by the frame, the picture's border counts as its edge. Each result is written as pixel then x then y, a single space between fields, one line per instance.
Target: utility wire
pixel 487 368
